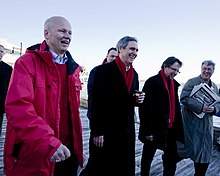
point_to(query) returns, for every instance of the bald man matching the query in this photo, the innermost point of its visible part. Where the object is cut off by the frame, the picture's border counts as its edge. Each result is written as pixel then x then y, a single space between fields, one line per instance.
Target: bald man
pixel 44 132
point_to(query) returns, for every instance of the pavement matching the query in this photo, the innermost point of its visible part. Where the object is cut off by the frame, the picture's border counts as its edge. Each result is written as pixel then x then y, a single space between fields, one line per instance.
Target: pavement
pixel 2 141
pixel 184 167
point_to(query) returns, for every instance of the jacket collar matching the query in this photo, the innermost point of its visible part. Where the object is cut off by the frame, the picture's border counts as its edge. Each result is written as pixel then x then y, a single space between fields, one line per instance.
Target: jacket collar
pixel 42 50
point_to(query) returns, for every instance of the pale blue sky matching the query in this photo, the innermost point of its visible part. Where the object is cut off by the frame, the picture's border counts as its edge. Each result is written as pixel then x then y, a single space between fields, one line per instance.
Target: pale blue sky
pixel 187 29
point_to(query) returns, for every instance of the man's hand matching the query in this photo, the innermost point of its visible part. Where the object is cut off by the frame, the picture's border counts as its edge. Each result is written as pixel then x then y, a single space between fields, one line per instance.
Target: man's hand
pixel 208 109
pixel 139 96
pixel 149 138
pixel 98 141
pixel 61 154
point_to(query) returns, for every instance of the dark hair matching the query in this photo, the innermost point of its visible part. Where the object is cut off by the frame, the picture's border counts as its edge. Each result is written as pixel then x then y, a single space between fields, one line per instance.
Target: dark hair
pixel 112 48
pixel 170 61
pixel 209 62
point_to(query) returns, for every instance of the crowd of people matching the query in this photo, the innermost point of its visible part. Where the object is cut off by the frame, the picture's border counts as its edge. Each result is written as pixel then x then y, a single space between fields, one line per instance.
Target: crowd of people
pixel 41 99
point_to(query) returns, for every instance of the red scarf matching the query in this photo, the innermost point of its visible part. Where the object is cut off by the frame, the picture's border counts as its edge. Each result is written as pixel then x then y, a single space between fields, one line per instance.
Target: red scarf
pixel 171 94
pixel 127 75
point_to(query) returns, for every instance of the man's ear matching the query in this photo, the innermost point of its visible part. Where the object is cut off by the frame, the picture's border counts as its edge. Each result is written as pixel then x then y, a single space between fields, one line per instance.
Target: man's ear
pixel 46 34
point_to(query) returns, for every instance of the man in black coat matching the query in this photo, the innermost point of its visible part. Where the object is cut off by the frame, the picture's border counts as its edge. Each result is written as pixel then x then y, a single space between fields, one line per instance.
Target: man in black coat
pixel 160 118
pixel 112 114
pixel 5 75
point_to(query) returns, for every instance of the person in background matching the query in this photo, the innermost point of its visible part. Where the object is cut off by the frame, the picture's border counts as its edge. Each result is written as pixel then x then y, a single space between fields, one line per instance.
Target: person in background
pixel 5 75
pixel 111 55
pixel 160 118
pixel 112 113
pixel 198 131
pixel 44 132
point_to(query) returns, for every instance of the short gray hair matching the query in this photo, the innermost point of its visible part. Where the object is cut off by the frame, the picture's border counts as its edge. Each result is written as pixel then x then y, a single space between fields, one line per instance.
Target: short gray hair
pixel 123 42
pixel 208 63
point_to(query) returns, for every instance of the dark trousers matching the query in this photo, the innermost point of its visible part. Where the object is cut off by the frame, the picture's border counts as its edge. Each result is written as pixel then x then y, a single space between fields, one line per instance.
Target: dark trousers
pixel 170 156
pixel 200 169
pixel 68 167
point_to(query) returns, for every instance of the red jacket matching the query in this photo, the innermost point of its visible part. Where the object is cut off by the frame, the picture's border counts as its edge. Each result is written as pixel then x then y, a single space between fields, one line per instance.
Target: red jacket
pixel 33 113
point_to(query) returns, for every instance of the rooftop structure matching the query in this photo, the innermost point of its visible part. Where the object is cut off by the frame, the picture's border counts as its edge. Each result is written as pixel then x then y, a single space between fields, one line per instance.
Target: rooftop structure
pixel 13 52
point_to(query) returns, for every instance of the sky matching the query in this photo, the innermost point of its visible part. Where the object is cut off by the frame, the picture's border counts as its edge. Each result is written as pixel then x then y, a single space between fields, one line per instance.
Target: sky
pixel 186 29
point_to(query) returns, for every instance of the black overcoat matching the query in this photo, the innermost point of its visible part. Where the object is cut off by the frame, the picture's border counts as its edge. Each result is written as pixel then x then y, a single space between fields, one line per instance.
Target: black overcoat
pixel 5 75
pixel 112 115
pixel 154 112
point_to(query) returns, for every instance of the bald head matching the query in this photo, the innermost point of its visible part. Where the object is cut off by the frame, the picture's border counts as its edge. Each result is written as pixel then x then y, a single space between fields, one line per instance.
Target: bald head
pixel 58 34
pixel 2 52
pixel 52 21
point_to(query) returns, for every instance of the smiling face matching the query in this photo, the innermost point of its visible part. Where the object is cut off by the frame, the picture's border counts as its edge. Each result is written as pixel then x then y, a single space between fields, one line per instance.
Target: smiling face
pixel 58 34
pixel 172 70
pixel 207 71
pixel 129 53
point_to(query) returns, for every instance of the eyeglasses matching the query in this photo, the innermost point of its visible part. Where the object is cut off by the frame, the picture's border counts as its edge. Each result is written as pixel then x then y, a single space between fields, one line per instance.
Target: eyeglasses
pixel 175 69
pixel 112 56
pixel 207 69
